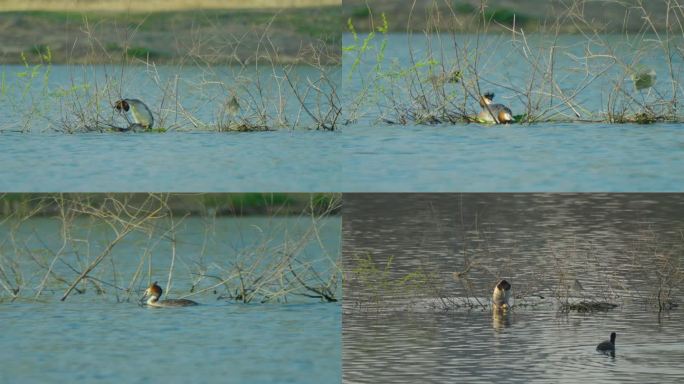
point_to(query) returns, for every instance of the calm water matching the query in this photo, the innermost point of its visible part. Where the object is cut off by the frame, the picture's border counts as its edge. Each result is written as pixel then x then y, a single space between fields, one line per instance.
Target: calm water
pixel 541 157
pixel 110 338
pixel 616 246
pixel 568 157
pixel 237 162
pixel 88 340
pixel 473 157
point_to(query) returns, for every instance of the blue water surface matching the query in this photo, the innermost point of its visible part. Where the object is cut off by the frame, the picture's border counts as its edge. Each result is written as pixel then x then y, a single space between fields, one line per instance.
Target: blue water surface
pixel 541 157
pixel 282 161
pixel 92 341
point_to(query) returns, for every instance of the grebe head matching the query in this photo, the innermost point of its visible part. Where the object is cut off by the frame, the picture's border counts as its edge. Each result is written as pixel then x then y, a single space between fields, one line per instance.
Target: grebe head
pixel 504 285
pixel 121 105
pixel 501 295
pixel 486 99
pixel 152 293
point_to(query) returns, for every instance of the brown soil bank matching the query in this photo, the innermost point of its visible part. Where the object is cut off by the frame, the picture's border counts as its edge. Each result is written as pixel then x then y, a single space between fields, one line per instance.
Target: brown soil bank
pixel 204 36
pixel 608 16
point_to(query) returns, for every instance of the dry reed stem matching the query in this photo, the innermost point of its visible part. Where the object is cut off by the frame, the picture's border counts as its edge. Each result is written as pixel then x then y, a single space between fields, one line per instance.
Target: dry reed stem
pixel 545 93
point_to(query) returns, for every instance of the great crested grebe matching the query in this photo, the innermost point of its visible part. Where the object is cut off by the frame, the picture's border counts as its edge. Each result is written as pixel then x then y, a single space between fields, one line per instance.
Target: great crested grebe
pixel 154 292
pixel 501 295
pixel 607 346
pixel 494 113
pixel 142 117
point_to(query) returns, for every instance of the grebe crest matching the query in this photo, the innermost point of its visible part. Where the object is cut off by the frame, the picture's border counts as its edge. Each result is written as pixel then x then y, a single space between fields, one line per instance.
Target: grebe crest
pixel 607 346
pixel 502 113
pixel 154 292
pixel 501 295
pixel 142 117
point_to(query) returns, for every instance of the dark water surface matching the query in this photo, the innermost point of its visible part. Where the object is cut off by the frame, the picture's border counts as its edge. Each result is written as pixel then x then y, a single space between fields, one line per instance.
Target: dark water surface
pixel 617 248
pixel 538 346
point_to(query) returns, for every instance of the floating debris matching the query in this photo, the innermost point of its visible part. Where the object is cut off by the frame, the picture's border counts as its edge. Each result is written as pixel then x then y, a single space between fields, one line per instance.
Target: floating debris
pixel 588 306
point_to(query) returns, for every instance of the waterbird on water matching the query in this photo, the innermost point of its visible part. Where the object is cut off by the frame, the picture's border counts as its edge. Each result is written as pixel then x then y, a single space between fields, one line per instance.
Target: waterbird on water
pixel 233 105
pixel 501 295
pixel 607 346
pixel 494 113
pixel 154 292
pixel 142 117
pixel 643 77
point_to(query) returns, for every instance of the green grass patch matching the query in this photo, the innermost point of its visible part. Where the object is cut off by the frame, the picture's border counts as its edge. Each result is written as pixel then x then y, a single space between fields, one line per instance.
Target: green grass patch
pixel 360 12
pixel 246 200
pixel 462 8
pixel 40 49
pixel 506 16
pixel 144 53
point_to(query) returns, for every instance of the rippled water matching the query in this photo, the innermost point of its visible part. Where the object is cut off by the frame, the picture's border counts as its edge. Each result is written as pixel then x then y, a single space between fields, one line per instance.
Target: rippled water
pixel 110 338
pixel 551 247
pixel 525 346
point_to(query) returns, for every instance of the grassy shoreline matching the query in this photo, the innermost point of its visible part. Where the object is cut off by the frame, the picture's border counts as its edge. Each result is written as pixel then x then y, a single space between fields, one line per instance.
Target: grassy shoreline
pixel 442 79
pixel 220 36
pixel 153 5
pixel 194 204
pixel 531 15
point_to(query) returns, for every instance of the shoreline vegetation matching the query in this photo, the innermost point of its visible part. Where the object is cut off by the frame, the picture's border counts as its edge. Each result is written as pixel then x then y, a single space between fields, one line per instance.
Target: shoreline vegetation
pixel 264 69
pixel 379 286
pixel 80 248
pixel 453 48
pixel 181 204
pixel 153 5
pixel 88 35
pixel 609 16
